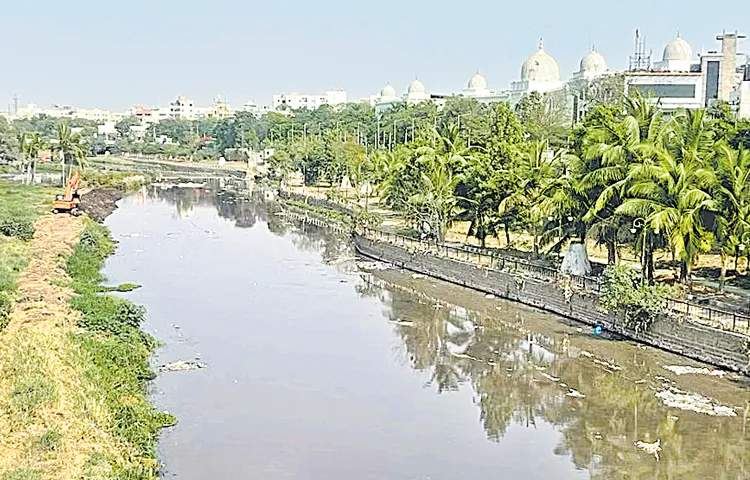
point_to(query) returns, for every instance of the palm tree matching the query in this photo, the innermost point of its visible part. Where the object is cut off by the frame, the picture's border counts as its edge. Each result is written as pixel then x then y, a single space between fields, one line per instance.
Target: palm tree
pixel 733 195
pixel 535 181
pixel 71 148
pixel 31 145
pixel 610 148
pixel 673 188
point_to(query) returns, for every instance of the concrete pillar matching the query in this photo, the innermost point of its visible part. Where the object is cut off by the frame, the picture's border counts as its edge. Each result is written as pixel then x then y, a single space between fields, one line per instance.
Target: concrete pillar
pixel 728 71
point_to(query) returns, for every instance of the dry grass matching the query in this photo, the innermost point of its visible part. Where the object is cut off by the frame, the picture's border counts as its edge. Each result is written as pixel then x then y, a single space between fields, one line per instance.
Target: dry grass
pixel 48 424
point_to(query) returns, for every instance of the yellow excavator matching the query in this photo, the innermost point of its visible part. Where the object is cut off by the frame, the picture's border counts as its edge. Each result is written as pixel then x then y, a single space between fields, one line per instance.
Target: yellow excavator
pixel 69 200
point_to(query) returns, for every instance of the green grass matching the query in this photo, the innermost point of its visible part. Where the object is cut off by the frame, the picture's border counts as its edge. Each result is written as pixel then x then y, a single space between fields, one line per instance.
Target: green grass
pixel 115 357
pixel 23 474
pixel 20 206
pixel 49 440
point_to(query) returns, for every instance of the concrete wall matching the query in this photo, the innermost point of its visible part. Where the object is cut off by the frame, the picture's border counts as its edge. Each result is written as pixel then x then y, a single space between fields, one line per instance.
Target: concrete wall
pixel 699 342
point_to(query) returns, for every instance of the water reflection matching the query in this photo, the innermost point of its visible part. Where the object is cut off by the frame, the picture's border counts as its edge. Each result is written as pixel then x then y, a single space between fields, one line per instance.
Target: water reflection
pixel 600 395
pixel 525 369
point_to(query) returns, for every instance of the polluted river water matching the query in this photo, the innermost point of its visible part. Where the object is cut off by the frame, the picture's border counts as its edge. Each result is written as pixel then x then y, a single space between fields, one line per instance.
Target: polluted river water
pixel 322 365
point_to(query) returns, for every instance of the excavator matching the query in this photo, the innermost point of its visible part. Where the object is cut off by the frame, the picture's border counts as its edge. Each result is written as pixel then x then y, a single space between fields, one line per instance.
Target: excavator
pixel 68 201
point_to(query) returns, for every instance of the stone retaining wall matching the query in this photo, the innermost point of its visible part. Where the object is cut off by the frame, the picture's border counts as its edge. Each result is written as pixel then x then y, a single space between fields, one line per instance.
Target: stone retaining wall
pixel 699 342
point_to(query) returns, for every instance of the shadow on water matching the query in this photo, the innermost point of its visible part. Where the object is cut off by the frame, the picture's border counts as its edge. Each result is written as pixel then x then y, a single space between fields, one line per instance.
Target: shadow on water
pixel 529 377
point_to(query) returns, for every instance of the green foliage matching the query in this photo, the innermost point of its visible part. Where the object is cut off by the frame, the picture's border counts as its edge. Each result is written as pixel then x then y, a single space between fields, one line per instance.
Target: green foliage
pixel 23 474
pixel 31 393
pixel 116 353
pixel 624 292
pixel 21 228
pixel 49 440
pixel 5 308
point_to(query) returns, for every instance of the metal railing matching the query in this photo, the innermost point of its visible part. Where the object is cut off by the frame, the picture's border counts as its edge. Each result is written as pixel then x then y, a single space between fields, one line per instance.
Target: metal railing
pixel 495 260
pixel 722 319
pixel 480 257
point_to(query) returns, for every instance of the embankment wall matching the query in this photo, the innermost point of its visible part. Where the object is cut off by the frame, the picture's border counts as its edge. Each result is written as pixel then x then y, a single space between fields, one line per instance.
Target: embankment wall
pixel 699 342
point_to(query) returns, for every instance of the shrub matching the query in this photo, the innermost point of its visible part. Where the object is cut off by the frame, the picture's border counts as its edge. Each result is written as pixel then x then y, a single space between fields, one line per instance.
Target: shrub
pixel 623 291
pixel 5 308
pixel 49 440
pixel 29 394
pixel 22 228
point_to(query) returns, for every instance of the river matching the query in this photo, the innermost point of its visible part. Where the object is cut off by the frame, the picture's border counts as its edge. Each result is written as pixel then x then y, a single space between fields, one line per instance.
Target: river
pixel 323 366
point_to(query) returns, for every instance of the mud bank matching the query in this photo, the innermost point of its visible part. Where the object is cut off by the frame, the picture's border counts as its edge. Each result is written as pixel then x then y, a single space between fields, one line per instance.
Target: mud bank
pixel 99 203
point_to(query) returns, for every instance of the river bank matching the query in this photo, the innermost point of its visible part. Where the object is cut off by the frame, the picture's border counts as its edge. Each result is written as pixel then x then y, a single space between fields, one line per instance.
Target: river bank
pixel 73 362
pixel 575 298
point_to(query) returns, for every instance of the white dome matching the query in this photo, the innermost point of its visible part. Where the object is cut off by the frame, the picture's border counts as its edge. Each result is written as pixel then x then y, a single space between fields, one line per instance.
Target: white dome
pixel 678 49
pixel 388 91
pixel 477 82
pixel 540 67
pixel 593 62
pixel 416 86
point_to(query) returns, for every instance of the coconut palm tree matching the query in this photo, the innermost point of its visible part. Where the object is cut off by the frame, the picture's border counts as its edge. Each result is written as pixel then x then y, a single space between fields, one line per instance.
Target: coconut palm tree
pixel 535 179
pixel 672 193
pixel 71 148
pixel 610 148
pixel 733 195
pixel 31 145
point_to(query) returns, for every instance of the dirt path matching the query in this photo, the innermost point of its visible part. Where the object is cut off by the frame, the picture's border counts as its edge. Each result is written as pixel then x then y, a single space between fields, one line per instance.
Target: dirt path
pixel 49 425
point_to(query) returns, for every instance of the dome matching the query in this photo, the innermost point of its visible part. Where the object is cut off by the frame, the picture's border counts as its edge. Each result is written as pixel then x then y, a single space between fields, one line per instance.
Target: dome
pixel 388 91
pixel 477 82
pixel 593 62
pixel 416 86
pixel 678 49
pixel 540 67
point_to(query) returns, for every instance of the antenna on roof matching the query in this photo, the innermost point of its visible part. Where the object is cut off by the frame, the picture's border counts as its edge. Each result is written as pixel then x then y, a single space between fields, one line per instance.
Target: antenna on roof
pixel 639 60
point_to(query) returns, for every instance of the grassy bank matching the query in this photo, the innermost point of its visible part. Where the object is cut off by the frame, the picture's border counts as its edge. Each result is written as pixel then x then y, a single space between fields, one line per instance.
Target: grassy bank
pixel 20 206
pixel 114 354
pixel 73 361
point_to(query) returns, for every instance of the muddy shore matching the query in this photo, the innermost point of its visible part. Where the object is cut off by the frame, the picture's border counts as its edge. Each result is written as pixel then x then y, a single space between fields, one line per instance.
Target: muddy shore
pixel 99 203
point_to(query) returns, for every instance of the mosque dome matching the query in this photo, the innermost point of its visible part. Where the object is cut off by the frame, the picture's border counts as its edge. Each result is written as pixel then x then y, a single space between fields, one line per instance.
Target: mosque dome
pixel 540 67
pixel 593 62
pixel 477 82
pixel 678 49
pixel 416 86
pixel 388 91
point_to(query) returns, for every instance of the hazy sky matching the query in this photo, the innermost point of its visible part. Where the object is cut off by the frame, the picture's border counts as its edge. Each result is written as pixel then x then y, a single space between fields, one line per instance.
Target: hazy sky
pixel 115 54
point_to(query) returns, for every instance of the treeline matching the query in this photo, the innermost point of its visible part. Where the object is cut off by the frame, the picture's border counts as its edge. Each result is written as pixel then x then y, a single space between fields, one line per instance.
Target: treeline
pixel 628 174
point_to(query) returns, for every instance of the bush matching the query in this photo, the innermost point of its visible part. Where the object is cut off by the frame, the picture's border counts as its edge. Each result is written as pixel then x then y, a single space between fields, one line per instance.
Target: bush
pixel 5 308
pixel 22 228
pixel 623 291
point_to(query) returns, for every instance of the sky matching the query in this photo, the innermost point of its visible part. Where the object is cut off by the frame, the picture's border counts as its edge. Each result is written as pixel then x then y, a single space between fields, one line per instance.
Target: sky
pixel 115 54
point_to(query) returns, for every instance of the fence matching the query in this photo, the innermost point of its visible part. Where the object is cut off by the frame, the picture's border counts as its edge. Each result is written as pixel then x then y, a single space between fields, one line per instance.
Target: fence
pixel 481 257
pixel 492 259
pixel 733 321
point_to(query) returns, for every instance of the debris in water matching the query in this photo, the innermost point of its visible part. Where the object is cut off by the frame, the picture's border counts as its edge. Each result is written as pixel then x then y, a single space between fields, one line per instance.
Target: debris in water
pixel 550 377
pixel 586 354
pixel 417 276
pixel 564 385
pixel 575 393
pixel 181 366
pixel 490 296
pixel 401 323
pixel 686 370
pixel 373 265
pixel 694 402
pixel 539 368
pixel 650 448
pixel 438 306
pixel 130 235
pixel 608 365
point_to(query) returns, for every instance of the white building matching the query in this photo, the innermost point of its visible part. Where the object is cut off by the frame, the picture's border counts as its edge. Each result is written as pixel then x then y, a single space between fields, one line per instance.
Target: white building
pixel 295 101
pixel 539 73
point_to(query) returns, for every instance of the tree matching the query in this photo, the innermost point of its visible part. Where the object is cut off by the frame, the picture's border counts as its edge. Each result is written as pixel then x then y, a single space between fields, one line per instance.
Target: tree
pixel 674 189
pixel 31 145
pixel 71 148
pixel 733 196
pixel 535 179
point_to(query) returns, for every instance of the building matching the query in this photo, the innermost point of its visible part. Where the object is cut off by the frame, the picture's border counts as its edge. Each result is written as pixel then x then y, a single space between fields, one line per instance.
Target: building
pixel 183 108
pixel 296 101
